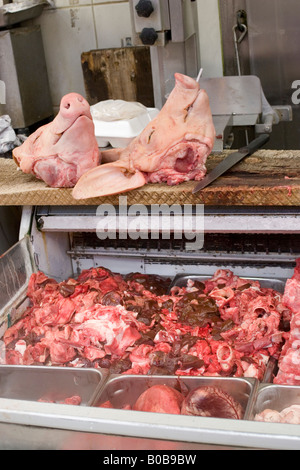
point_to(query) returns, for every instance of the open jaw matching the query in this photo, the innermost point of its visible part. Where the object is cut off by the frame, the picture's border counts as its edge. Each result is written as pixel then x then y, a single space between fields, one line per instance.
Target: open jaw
pixel 183 162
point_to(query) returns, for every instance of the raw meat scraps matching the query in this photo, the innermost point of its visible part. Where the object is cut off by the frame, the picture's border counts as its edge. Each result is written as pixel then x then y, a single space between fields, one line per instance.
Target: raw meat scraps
pixel 290 415
pixel 172 148
pixel 74 400
pixel 292 290
pixel 60 152
pixel 289 360
pixel 225 326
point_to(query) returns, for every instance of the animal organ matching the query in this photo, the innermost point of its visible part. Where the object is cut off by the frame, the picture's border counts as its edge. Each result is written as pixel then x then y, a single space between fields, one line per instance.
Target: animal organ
pixel 208 401
pixel 211 402
pixel 160 399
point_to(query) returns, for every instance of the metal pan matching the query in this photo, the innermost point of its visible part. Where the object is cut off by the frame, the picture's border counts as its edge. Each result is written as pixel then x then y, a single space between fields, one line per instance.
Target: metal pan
pixel 125 389
pixel 275 397
pixel 181 281
pixel 53 384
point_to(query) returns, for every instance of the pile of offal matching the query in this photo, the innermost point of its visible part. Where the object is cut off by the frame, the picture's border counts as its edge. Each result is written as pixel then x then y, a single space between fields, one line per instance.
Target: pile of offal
pixel 224 326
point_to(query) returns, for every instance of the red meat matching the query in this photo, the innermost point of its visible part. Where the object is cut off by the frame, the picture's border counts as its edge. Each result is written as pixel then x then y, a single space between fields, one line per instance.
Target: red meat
pixel 74 400
pixel 291 296
pixel 289 361
pixel 211 402
pixel 160 399
pixel 226 326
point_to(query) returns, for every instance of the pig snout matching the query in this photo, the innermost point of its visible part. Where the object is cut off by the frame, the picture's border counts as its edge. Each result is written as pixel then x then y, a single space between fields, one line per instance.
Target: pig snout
pixel 73 105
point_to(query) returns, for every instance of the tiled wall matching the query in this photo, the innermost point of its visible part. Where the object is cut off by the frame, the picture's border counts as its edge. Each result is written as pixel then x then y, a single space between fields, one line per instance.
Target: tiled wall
pixel 76 26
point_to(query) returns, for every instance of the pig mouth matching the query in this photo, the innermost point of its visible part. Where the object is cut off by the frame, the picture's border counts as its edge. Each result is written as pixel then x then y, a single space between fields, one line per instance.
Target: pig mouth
pixel 185 163
pixel 75 121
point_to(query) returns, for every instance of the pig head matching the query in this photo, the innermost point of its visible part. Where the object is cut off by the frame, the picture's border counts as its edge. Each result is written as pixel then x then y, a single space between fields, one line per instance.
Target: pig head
pixel 60 152
pixel 172 148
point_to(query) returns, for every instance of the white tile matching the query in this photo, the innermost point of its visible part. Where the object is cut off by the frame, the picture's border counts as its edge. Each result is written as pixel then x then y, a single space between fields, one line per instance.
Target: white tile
pixel 71 3
pixel 210 38
pixel 109 1
pixel 66 32
pixel 112 24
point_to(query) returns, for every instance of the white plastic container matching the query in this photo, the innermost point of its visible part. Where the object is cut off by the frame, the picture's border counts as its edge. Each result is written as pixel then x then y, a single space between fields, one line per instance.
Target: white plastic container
pixel 120 133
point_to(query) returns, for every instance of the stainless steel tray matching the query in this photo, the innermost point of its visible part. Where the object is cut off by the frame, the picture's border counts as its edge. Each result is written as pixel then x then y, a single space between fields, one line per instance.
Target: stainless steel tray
pixel 53 384
pixel 276 397
pixel 181 281
pixel 125 389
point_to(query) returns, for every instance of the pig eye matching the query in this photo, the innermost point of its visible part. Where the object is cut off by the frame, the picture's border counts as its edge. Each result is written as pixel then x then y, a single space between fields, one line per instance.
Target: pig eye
pixel 67 106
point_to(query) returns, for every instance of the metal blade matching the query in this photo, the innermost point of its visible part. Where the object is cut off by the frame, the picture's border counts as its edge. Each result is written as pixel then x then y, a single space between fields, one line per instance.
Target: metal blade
pixel 231 160
pixel 225 165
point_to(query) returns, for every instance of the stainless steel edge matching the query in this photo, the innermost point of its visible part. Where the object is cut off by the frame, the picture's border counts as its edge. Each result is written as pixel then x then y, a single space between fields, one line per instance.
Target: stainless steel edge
pixel 245 434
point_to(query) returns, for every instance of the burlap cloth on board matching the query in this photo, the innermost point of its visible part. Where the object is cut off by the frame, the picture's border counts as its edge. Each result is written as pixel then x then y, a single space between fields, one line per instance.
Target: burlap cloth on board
pixel 266 178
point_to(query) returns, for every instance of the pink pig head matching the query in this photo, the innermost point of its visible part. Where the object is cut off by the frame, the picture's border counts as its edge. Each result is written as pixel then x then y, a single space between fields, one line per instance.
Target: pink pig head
pixel 172 148
pixel 60 152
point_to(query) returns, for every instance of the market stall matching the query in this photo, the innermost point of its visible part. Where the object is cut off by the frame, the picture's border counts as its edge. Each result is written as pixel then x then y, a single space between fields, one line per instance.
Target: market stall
pixel 120 334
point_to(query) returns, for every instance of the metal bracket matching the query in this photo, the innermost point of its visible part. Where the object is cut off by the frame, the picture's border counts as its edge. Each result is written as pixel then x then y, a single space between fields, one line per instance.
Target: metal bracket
pixel 284 114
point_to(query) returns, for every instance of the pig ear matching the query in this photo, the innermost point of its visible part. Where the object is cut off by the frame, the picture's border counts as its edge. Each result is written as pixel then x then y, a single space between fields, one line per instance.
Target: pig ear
pixel 108 179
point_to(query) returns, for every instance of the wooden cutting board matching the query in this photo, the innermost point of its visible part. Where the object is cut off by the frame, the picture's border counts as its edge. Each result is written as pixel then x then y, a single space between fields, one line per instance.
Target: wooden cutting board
pixel 268 177
pixel 122 73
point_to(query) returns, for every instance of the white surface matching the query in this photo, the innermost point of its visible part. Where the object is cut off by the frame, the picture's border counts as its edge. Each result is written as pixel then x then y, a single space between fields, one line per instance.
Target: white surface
pixel 210 38
pixel 120 133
